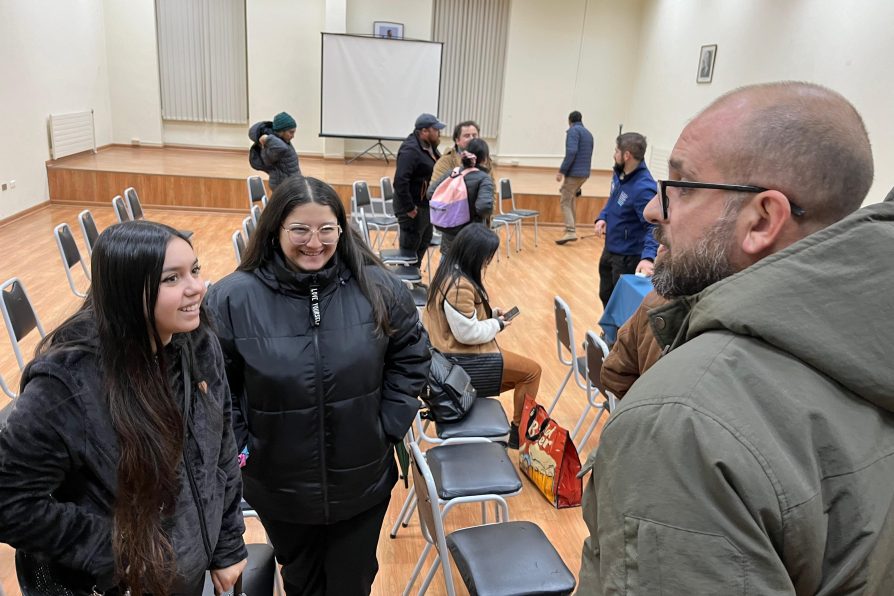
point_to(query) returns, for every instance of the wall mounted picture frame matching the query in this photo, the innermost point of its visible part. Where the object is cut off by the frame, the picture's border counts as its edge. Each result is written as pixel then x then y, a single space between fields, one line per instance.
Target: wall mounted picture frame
pixel 388 30
pixel 706 58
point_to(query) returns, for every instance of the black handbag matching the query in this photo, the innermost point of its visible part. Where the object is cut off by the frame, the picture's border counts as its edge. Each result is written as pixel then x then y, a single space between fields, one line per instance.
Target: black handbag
pixel 449 394
pixel 485 371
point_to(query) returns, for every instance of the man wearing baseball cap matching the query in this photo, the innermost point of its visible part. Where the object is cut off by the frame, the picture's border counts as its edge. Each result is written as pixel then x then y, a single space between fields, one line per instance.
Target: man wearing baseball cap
pixel 415 161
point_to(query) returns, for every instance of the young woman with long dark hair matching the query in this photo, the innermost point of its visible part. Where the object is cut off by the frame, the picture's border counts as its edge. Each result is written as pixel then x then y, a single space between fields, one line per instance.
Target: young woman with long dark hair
pixel 326 356
pixel 118 467
pixel 460 319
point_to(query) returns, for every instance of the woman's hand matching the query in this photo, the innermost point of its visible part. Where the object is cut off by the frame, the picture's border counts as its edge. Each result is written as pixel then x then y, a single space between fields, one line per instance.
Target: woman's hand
pixel 505 322
pixel 224 579
pixel 498 312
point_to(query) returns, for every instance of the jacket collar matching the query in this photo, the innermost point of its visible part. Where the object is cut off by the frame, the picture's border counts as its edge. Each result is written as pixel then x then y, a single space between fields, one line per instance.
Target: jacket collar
pixel 281 278
pixel 670 322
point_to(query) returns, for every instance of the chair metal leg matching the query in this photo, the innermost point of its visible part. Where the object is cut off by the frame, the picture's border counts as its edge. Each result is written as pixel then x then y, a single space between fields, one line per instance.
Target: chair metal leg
pixel 592 426
pixel 403 512
pixel 410 510
pixel 580 422
pixel 535 231
pixel 549 410
pixel 483 513
pixel 417 568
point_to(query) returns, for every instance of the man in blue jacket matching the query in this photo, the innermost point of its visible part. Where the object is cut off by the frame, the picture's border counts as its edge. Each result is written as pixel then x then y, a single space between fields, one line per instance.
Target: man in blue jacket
pixel 630 246
pixel 575 169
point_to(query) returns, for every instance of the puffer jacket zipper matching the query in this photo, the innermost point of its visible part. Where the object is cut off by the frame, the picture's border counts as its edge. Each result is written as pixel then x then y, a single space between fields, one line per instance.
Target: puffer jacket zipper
pixel 321 413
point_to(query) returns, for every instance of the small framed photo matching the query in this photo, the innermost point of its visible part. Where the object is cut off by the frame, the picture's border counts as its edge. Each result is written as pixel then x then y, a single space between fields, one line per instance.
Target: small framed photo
pixel 388 30
pixel 706 64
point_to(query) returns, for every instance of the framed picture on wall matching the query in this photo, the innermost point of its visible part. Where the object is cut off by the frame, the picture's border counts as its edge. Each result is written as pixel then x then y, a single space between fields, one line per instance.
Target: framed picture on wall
pixel 388 30
pixel 706 58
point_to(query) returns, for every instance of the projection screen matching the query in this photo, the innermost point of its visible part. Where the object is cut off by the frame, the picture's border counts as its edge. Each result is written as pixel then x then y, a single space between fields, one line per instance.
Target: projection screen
pixel 374 88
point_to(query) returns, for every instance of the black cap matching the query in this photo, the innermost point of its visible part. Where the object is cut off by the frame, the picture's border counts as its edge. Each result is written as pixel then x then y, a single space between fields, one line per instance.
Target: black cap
pixel 428 121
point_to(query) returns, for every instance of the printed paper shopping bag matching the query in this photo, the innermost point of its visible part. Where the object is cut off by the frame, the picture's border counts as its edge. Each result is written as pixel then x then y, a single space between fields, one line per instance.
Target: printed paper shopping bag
pixel 548 457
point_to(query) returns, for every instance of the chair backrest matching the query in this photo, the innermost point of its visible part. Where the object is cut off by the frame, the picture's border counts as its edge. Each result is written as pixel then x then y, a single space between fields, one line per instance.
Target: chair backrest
pixel 238 246
pixel 363 227
pixel 597 352
pixel 429 510
pixel 88 229
pixel 256 191
pixel 387 188
pixel 121 211
pixel 248 227
pixel 255 213
pixel 506 195
pixel 19 315
pixel 133 202
pixel 361 198
pixel 564 327
pixel 70 254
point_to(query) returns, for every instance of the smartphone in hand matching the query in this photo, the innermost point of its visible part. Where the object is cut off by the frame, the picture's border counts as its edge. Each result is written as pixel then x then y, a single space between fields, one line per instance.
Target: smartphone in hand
pixel 511 313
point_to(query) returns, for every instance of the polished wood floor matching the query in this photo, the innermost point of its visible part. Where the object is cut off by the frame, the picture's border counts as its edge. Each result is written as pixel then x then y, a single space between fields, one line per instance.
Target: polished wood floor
pixel 529 279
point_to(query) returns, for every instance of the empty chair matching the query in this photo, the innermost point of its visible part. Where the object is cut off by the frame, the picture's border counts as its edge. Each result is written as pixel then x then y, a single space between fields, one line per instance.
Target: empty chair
pixel 19 316
pixel 238 246
pixel 577 365
pixel 248 227
pixel 398 260
pixel 255 213
pixel 595 351
pixel 360 202
pixel 71 255
pixel 257 192
pixel 386 200
pixel 121 211
pixel 88 229
pixel 133 203
pixel 512 226
pixel 506 195
pixel 506 558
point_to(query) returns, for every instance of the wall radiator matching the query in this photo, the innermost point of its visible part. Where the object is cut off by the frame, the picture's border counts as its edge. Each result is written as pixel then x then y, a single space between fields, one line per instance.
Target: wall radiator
pixel 71 133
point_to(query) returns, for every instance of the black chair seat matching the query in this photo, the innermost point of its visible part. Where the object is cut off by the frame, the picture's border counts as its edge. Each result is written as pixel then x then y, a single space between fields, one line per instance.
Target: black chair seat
pixel 508 559
pixel 403 255
pixel 435 241
pixel 187 233
pixel 581 363
pixel 507 217
pixel 258 575
pixel 525 212
pixel 408 273
pixel 472 469
pixel 420 298
pixel 486 419
pixel 381 220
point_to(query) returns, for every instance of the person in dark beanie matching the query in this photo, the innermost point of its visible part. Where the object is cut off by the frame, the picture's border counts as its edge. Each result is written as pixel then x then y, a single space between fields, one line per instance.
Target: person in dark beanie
pixel 272 151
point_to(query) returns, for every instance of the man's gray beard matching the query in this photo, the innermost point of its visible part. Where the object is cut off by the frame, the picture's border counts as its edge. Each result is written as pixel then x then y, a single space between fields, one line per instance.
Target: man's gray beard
pixel 688 273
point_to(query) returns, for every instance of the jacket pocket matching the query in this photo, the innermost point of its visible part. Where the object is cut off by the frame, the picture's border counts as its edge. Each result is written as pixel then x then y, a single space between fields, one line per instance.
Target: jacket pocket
pixel 663 559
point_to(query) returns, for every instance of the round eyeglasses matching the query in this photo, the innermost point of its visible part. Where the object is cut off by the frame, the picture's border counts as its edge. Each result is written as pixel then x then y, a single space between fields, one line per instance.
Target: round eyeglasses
pixel 300 235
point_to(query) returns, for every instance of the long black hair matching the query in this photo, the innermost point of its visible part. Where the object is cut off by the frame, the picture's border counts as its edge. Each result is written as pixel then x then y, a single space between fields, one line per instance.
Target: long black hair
pixel 351 250
pixel 117 320
pixel 472 249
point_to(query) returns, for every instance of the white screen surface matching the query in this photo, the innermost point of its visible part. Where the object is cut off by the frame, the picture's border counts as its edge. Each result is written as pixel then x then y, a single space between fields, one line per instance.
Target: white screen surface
pixel 375 88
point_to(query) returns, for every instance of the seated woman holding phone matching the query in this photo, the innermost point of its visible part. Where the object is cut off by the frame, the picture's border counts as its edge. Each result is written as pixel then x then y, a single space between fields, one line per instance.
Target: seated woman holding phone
pixel 462 324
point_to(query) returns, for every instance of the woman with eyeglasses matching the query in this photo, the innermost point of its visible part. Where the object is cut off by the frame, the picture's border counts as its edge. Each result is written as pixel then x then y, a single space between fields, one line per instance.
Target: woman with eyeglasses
pixel 118 469
pixel 326 356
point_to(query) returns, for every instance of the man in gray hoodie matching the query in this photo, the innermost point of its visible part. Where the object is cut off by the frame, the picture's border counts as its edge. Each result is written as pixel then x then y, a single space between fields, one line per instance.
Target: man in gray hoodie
pixel 757 456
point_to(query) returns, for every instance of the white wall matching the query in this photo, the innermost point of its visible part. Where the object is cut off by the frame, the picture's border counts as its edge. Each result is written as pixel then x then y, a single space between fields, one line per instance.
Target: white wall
pixel 581 57
pixel 823 41
pixel 52 60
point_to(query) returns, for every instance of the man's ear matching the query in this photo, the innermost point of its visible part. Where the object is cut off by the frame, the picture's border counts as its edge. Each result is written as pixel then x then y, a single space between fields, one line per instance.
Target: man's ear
pixel 765 219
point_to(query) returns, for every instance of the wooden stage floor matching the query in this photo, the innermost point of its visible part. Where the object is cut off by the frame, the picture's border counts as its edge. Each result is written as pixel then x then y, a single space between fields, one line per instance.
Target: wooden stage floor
pixel 211 179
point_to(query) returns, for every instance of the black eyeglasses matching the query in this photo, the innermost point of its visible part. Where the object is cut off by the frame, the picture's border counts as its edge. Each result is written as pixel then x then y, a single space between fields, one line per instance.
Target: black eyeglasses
pixel 664 184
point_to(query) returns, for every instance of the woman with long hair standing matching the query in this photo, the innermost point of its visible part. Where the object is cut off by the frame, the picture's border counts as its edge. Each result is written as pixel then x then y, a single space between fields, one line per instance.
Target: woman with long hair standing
pixel 326 356
pixel 460 319
pixel 118 467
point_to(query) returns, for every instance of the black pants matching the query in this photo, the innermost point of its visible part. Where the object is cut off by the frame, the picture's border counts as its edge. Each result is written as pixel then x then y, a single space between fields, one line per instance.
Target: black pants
pixel 329 560
pixel 416 232
pixel 611 267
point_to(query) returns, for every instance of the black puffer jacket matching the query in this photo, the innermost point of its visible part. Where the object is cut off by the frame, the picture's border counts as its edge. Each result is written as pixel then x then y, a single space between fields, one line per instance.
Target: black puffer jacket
pixel 324 404
pixel 280 158
pixel 58 468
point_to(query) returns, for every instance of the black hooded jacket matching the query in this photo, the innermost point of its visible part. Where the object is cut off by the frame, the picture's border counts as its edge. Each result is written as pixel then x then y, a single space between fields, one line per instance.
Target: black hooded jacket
pixel 58 467
pixel 323 403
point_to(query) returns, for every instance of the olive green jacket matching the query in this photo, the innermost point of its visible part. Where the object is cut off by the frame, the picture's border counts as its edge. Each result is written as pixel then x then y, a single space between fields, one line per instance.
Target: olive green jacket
pixel 757 456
